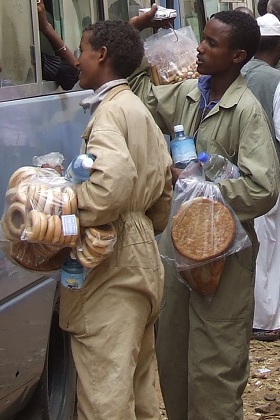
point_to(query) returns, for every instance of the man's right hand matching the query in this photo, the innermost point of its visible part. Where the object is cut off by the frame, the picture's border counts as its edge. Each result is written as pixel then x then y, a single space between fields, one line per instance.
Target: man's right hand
pixel 146 20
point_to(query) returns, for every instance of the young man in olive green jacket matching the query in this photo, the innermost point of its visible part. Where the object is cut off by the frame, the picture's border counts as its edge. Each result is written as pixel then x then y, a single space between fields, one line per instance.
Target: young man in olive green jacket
pixel 202 344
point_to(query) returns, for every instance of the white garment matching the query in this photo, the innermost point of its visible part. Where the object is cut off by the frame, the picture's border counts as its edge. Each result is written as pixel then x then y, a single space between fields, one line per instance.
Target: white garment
pixel 276 111
pixel 267 288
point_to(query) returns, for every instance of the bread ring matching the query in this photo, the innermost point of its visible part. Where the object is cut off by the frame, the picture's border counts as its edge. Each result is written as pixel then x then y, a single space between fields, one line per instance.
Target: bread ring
pixel 88 258
pixel 72 198
pixel 34 228
pixel 22 191
pixel 87 251
pixel 48 208
pixel 54 228
pixel 20 175
pixel 43 226
pixel 57 228
pixel 65 204
pixel 31 202
pixel 11 195
pixel 97 241
pixel 85 261
pixel 104 232
pixel 15 217
pixel 65 239
pixel 50 229
pixel 102 250
pixel 57 200
pixel 40 197
pixel 6 230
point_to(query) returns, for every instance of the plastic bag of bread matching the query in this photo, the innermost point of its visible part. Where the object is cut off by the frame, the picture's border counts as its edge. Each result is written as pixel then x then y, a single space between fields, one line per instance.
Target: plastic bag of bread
pixel 204 230
pixel 35 257
pixel 97 244
pixel 50 215
pixel 13 218
pixel 172 55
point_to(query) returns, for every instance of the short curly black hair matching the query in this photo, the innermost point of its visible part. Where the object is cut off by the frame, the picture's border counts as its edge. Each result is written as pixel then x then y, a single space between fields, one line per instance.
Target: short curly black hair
pixel 245 31
pixel 124 45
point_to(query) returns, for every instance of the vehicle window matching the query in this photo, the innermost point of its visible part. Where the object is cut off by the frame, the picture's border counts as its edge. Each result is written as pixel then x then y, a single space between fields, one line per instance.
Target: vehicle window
pixel 193 14
pixel 16 52
pixel 126 9
pixel 71 17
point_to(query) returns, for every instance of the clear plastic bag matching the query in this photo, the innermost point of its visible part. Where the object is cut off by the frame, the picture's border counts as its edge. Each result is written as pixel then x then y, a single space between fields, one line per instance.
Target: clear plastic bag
pixel 172 55
pixel 203 230
pixel 51 210
pixel 36 257
pixel 97 244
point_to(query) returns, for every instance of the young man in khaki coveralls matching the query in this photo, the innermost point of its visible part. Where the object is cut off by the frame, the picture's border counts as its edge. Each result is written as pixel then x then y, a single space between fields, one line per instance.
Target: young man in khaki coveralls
pixel 111 319
pixel 202 344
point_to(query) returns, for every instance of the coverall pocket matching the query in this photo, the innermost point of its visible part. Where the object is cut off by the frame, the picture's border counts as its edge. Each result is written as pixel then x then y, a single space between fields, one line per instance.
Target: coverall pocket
pixel 71 313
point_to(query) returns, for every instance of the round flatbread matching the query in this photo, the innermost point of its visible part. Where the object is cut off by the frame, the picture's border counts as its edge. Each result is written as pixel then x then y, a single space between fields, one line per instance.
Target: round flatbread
pixel 202 229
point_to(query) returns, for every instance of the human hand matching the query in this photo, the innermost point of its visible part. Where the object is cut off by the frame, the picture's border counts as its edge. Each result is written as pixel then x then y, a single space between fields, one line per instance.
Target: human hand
pixel 42 16
pixel 175 174
pixel 146 20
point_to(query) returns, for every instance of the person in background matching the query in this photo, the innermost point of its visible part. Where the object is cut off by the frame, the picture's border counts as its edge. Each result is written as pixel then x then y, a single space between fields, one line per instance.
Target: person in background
pixel 203 345
pixel 244 10
pixel 60 67
pixel 262 7
pixel 273 6
pixel 111 319
pixel 264 81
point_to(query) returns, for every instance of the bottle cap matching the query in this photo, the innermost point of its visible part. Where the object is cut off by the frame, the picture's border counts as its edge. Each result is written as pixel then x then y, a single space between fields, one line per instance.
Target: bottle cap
pixel 87 163
pixel 179 127
pixel 203 157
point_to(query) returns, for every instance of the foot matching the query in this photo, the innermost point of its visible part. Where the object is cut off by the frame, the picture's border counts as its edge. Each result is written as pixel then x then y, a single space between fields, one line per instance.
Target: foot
pixel 265 335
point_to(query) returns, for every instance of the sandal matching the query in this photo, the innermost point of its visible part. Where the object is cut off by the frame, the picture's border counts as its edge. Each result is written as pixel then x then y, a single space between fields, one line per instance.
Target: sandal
pixel 265 335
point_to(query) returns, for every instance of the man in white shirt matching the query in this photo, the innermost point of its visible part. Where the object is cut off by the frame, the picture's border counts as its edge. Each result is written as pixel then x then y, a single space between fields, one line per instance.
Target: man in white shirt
pixel 264 81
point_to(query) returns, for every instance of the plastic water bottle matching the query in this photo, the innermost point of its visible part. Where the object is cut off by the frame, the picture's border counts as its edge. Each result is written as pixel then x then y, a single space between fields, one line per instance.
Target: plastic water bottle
pixel 72 274
pixel 79 169
pixel 182 148
pixel 217 167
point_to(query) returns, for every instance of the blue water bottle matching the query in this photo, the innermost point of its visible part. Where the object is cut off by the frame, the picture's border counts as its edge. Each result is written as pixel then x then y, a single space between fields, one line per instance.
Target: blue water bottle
pixel 72 274
pixel 182 147
pixel 80 168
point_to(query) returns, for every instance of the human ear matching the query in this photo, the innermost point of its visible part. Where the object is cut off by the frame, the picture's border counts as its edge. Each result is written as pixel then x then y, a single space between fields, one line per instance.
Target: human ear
pixel 239 56
pixel 103 54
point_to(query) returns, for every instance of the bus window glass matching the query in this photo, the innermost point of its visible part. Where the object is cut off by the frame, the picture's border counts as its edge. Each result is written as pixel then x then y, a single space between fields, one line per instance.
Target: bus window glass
pixel 16 45
pixel 71 17
pixel 192 14
pixel 126 9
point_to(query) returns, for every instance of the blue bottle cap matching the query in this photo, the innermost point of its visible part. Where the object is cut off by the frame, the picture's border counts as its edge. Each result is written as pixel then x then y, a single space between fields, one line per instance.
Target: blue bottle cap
pixel 203 157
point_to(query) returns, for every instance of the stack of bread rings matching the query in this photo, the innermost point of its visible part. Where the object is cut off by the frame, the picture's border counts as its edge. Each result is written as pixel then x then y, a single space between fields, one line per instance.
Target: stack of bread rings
pixel 34 208
pixel 97 243
pixel 45 206
pixel 13 220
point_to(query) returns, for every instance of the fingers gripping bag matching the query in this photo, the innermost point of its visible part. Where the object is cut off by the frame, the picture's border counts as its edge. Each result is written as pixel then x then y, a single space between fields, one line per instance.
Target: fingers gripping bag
pixel 172 55
pixel 204 230
pixel 51 210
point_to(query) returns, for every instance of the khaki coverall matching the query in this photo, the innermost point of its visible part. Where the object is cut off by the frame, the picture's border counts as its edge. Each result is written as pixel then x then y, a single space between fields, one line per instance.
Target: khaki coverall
pixel 202 346
pixel 112 317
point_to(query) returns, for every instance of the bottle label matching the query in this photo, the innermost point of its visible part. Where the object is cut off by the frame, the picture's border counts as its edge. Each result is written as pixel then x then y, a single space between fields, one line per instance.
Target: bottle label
pixel 183 151
pixel 72 281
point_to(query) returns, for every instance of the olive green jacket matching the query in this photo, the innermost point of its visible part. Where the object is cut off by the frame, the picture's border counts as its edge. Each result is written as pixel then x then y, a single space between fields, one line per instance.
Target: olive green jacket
pixel 236 128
